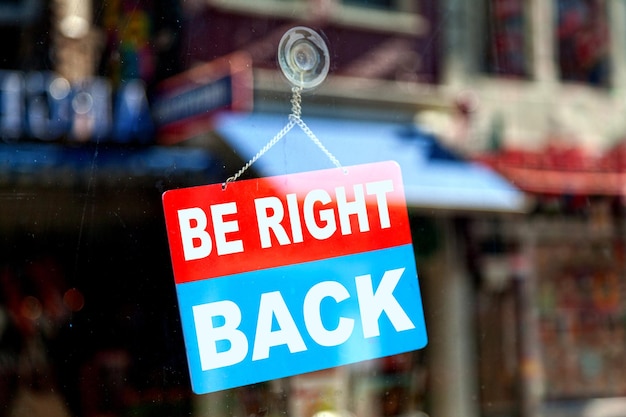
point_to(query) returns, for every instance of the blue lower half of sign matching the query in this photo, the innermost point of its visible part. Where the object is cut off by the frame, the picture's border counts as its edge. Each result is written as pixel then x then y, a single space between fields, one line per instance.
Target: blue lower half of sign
pixel 257 326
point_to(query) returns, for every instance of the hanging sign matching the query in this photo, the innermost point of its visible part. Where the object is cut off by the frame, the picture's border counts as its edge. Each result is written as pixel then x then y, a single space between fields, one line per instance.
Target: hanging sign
pixel 286 275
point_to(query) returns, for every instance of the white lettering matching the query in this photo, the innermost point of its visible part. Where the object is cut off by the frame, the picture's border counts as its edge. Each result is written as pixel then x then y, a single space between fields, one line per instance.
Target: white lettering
pixel 272 305
pixel 190 235
pixel 221 227
pixel 276 222
pixel 379 189
pixel 266 221
pixel 209 335
pixel 221 343
pixel 372 304
pixel 294 218
pixel 313 314
pixel 327 216
pixel 346 209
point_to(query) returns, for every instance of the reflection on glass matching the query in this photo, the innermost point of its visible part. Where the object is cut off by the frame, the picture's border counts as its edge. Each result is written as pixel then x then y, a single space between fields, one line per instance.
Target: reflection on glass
pixel 505 52
pixel 582 40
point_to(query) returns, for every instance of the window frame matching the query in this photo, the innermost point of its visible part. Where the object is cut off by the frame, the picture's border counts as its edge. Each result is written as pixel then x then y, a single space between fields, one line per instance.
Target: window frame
pixel 404 20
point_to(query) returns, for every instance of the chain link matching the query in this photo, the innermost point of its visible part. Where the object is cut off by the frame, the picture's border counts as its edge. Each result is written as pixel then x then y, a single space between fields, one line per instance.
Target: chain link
pixel 294 119
pixel 296 101
pixel 260 153
pixel 314 138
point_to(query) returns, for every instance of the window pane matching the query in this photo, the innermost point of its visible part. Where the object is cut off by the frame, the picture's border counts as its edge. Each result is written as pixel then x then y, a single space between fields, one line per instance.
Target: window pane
pixel 506 42
pixel 582 41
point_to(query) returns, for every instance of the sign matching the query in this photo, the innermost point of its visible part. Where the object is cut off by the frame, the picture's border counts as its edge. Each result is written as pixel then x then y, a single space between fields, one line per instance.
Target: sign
pixel 285 275
pixel 44 106
pixel 186 103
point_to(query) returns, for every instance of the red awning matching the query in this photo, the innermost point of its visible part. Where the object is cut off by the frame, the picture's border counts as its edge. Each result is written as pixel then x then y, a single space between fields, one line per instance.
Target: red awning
pixel 562 170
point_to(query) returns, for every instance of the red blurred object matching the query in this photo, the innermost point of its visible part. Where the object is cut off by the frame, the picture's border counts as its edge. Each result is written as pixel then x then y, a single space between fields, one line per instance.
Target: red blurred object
pixel 562 169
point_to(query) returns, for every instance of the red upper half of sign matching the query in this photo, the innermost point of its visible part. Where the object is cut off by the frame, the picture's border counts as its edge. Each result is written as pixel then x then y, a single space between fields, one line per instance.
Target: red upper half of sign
pixel 276 221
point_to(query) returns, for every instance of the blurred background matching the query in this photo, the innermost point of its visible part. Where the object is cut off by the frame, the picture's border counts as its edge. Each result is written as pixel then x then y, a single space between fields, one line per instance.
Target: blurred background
pixel 507 117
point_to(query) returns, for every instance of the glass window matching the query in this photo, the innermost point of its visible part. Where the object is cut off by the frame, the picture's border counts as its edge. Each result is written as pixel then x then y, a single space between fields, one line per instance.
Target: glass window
pixel 506 40
pixel 521 263
pixel 582 39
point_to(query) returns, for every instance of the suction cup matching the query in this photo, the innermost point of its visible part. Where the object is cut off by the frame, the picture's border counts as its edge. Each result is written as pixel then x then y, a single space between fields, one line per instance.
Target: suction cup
pixel 303 57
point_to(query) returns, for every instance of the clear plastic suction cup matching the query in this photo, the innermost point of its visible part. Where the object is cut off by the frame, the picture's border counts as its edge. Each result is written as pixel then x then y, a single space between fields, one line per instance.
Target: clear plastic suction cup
pixel 303 57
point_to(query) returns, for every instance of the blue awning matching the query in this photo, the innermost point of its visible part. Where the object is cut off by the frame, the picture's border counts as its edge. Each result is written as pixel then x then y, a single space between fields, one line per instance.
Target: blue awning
pixel 433 176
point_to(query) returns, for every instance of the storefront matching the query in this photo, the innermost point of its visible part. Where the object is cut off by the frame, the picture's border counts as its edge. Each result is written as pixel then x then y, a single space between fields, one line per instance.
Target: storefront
pixel 572 307
pixel 81 179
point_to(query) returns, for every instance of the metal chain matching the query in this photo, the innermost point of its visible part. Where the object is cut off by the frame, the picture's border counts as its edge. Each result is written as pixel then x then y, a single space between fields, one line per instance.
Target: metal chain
pixel 260 153
pixel 294 119
pixel 314 138
pixel 296 111
pixel 296 101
